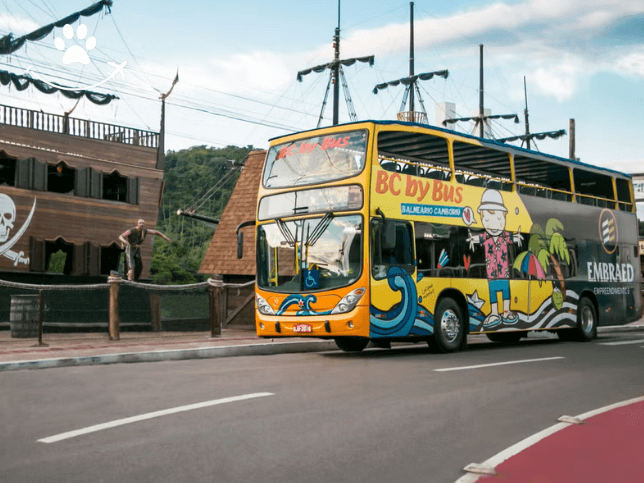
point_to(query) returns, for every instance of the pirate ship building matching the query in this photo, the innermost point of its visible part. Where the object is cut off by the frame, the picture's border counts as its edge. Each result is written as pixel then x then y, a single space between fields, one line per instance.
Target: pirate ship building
pixel 70 187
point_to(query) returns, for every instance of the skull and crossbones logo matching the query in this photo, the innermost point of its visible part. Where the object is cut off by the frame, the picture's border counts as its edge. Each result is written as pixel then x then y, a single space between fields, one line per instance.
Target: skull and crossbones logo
pixel 7 216
pixel 7 221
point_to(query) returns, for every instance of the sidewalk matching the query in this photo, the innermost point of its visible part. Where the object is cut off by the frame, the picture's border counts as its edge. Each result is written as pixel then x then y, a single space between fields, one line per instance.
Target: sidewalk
pixel 74 349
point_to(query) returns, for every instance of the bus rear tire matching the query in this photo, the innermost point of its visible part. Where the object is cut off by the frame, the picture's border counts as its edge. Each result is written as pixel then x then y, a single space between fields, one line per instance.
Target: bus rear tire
pixel 449 327
pixel 505 337
pixel 586 329
pixel 351 344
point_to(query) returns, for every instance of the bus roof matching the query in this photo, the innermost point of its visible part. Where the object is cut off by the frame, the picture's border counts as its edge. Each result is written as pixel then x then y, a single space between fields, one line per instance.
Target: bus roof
pixel 489 142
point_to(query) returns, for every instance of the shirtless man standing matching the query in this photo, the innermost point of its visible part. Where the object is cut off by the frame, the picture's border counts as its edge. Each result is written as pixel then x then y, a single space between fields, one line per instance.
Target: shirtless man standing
pixel 132 239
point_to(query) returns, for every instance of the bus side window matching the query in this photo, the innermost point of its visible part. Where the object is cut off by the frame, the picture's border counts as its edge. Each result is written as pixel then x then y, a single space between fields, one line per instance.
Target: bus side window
pixel 474 262
pixel 424 251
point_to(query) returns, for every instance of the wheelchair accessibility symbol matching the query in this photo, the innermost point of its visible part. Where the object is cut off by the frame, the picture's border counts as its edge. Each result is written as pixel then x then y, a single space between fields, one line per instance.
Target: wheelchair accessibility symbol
pixel 311 278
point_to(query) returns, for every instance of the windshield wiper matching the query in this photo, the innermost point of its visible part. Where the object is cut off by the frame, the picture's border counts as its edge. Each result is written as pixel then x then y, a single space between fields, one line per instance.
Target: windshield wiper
pixel 319 230
pixel 286 233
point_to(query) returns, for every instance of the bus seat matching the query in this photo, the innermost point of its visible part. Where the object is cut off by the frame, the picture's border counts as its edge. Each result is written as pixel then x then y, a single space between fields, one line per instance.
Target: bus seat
pixel 390 166
pixel 410 169
pixel 475 181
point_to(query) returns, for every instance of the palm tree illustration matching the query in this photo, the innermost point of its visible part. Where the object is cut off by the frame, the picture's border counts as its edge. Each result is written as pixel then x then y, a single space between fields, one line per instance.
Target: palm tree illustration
pixel 545 245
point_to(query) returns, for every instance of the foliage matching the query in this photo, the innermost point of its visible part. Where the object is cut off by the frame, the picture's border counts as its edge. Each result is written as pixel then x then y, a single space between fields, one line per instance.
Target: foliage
pixel 189 175
pixel 57 262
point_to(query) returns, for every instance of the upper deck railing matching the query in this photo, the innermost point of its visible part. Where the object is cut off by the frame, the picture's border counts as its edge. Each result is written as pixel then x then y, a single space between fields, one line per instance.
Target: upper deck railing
pixel 42 121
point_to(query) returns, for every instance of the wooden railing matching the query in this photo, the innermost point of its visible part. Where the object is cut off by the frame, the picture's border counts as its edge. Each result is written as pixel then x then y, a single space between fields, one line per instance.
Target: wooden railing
pixel 42 121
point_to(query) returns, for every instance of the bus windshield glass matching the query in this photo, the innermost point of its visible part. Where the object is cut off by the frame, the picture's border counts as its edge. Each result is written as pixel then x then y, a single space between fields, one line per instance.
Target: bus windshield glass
pixel 315 160
pixel 308 255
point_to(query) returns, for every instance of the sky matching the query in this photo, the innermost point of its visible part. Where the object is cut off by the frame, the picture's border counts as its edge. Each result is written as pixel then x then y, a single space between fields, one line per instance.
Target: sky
pixel 238 61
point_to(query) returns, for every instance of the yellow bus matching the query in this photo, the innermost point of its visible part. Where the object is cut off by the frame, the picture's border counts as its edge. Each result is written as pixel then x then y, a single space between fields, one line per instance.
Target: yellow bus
pixel 391 231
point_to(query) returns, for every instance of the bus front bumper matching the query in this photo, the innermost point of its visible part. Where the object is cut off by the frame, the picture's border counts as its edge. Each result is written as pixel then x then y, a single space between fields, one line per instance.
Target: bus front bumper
pixel 354 323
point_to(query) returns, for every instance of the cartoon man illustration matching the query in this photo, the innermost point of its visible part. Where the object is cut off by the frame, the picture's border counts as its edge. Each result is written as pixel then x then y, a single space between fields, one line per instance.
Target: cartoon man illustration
pixel 496 240
pixel 132 239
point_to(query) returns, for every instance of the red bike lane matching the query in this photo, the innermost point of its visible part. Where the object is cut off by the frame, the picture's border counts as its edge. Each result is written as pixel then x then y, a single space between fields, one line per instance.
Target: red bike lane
pixel 607 447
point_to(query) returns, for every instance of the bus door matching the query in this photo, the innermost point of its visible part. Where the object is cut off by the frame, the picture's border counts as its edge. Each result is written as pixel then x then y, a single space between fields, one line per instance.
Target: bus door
pixel 393 275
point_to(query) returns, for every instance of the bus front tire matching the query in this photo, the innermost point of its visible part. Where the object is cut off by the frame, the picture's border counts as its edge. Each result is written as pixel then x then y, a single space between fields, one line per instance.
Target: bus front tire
pixel 449 327
pixel 586 329
pixel 351 344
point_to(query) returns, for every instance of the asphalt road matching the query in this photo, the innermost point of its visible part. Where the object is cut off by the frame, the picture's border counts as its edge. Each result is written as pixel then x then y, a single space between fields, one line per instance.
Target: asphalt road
pixel 377 416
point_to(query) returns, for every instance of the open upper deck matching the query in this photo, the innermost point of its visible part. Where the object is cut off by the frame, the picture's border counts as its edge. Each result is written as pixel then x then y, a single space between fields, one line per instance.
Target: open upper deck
pixel 442 154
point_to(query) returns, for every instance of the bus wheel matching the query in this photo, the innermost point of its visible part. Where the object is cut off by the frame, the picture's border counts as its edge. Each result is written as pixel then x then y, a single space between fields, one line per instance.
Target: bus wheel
pixel 449 327
pixel 586 329
pixel 505 337
pixel 586 320
pixel 351 344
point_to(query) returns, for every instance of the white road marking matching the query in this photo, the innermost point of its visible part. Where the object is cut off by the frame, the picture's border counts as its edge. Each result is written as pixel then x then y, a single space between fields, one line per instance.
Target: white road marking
pixel 155 414
pixel 515 449
pixel 479 366
pixel 622 342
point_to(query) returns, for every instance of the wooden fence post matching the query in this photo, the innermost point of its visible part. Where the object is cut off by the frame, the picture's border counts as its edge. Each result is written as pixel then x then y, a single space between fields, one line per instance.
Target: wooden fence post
pixel 115 320
pixel 155 311
pixel 214 294
pixel 41 308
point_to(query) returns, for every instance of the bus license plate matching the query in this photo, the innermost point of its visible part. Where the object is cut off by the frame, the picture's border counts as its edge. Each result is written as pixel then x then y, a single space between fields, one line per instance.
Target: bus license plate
pixel 302 328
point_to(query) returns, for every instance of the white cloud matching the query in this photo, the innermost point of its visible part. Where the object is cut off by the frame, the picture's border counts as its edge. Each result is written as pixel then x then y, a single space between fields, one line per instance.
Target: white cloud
pixel 17 26
pixel 559 81
pixel 632 63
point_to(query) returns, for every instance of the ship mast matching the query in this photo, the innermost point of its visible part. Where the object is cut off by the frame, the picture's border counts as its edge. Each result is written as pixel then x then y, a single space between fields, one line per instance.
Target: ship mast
pixel 336 77
pixel 411 82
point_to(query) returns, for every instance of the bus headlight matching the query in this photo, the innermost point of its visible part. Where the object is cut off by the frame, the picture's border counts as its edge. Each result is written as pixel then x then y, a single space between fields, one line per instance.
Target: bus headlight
pixel 263 307
pixel 349 301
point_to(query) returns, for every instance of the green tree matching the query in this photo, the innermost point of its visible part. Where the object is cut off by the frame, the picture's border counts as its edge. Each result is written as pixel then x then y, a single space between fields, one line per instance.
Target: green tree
pixel 200 177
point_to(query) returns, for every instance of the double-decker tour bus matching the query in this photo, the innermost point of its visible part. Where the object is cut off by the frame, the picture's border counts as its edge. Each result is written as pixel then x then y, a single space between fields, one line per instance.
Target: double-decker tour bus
pixel 390 231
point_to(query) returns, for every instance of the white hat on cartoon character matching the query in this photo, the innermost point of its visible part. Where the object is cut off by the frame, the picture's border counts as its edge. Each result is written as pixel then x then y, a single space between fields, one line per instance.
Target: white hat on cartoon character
pixel 492 201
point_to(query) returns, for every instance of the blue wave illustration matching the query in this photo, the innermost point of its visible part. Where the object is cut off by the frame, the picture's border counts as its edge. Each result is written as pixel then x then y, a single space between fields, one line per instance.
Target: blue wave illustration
pixel 304 301
pixel 406 317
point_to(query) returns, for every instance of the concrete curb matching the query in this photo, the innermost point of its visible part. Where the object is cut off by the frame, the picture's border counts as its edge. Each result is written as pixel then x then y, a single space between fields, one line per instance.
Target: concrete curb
pixel 208 353
pixel 176 355
pixel 621 328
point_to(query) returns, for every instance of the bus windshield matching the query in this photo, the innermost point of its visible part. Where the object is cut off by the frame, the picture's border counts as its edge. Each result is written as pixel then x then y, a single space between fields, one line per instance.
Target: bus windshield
pixel 307 255
pixel 316 159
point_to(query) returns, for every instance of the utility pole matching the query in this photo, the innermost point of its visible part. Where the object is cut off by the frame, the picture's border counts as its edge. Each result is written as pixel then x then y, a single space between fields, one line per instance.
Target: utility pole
pixel 571 140
pixel 161 148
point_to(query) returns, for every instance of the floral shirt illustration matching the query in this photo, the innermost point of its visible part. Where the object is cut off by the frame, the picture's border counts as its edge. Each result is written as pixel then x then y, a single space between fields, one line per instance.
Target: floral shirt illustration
pixel 496 255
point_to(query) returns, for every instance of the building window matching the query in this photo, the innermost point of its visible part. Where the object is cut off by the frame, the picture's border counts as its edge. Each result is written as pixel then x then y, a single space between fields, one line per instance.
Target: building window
pixel 114 187
pixel 7 170
pixel 61 179
pixel 59 257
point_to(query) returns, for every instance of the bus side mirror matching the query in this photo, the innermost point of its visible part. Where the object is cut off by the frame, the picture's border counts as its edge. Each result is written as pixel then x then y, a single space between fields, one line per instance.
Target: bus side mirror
pixel 389 236
pixel 240 237
pixel 240 245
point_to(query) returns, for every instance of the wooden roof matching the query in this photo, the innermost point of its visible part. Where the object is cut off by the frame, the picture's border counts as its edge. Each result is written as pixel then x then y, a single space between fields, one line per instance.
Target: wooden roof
pixel 221 257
